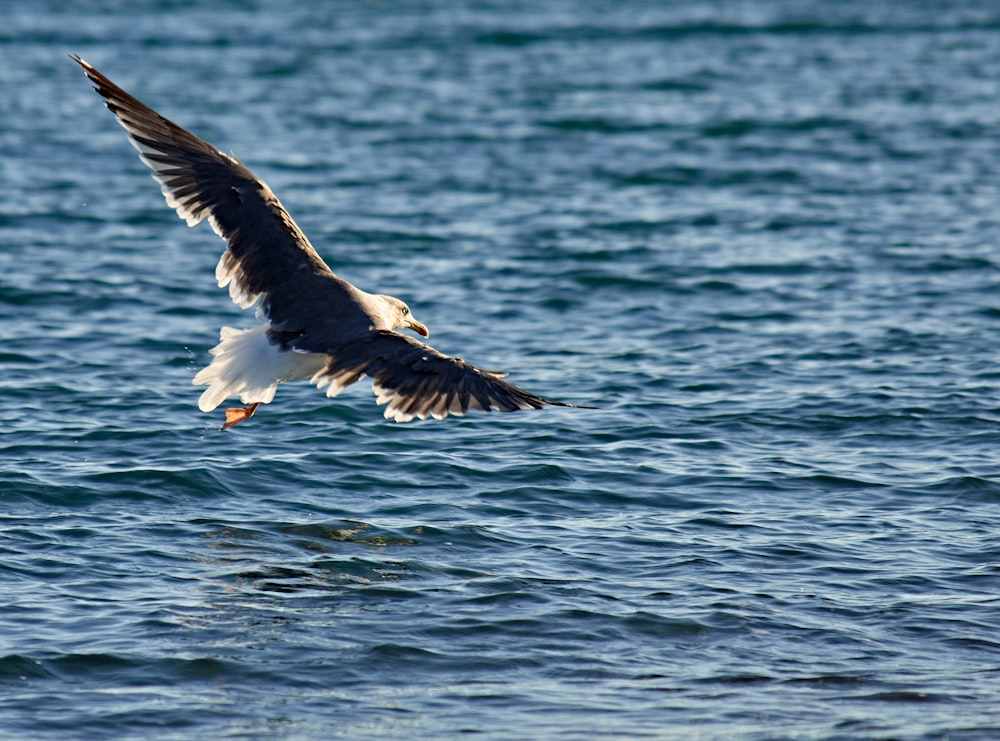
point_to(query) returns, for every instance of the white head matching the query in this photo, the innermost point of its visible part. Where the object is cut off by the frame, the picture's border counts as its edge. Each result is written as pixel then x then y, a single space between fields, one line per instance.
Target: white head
pixel 396 315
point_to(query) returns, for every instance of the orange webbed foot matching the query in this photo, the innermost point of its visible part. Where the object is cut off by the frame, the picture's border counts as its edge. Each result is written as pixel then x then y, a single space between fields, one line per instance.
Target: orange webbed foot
pixel 239 414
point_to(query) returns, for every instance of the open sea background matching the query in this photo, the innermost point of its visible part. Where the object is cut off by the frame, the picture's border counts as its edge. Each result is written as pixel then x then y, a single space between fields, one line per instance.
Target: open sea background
pixel 761 236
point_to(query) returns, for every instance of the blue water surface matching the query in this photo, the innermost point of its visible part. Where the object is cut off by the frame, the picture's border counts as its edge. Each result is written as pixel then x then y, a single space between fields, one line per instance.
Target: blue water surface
pixel 761 236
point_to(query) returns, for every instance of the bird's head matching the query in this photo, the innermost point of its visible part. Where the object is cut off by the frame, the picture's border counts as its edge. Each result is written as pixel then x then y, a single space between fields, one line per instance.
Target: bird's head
pixel 400 317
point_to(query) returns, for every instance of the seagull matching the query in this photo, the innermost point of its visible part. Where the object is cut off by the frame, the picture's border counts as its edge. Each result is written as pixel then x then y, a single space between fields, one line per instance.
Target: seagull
pixel 314 324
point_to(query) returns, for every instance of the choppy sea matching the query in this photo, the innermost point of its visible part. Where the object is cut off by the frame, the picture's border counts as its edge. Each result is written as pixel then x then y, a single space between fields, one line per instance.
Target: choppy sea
pixel 761 236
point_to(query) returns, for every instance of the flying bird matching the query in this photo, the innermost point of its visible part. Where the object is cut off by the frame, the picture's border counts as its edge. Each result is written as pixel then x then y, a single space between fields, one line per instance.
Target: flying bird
pixel 315 324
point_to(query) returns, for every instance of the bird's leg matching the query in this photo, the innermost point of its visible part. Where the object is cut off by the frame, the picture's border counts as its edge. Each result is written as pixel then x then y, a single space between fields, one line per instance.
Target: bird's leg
pixel 237 415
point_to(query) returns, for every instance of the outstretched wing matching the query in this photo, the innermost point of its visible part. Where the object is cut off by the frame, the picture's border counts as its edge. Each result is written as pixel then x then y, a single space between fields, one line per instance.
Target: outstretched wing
pixel 268 253
pixel 416 380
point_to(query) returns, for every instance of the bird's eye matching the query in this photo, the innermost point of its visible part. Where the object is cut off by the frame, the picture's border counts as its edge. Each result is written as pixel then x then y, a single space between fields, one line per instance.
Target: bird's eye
pixel 406 310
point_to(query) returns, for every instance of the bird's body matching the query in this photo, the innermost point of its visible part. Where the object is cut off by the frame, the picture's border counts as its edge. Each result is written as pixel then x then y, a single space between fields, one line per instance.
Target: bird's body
pixel 314 323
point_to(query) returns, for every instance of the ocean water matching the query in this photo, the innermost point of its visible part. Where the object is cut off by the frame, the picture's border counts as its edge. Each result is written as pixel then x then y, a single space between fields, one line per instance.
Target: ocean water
pixel 761 236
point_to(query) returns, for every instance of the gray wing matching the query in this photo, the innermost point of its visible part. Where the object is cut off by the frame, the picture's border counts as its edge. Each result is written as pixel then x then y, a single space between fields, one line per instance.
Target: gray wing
pixel 416 380
pixel 268 254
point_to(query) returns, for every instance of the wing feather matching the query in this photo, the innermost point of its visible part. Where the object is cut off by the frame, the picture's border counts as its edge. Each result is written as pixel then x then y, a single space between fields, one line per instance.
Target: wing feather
pixel 415 380
pixel 268 254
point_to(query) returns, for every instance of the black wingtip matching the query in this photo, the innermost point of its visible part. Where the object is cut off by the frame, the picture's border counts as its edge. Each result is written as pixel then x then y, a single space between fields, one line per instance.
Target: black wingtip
pixel 567 404
pixel 88 69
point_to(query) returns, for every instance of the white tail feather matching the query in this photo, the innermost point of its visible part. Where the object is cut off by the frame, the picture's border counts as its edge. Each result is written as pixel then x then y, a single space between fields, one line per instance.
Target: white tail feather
pixel 247 364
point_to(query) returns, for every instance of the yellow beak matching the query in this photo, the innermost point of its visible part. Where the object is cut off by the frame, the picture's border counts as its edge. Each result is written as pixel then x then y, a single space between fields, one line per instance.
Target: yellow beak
pixel 418 328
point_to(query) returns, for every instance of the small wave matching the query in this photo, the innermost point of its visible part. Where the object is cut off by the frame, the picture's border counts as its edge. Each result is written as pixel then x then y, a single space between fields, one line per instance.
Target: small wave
pixel 740 127
pixel 659 626
pixel 712 177
pixel 18 667
pixel 904 696
pixel 966 487
pixel 600 125
pixel 513 37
